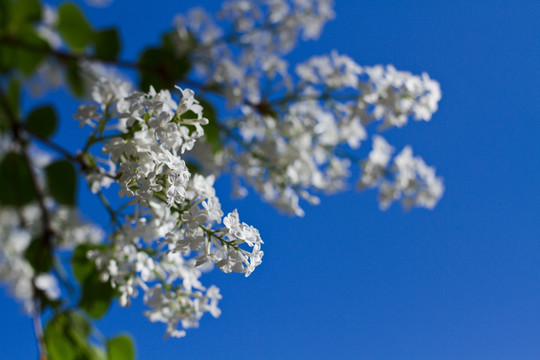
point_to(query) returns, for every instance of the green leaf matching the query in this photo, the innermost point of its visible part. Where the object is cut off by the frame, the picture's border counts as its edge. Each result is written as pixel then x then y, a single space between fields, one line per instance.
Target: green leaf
pixel 26 10
pixel 83 267
pixel 180 45
pixel 75 80
pixel 154 70
pixel 74 27
pixel 62 181
pixel 22 13
pixel 181 67
pixel 16 183
pixel 163 67
pixel 26 60
pixel 107 44
pixel 193 167
pixel 66 337
pixel 79 324
pixel 57 340
pixel 40 258
pixel 120 348
pixel 211 130
pixel 5 15
pixel 28 56
pixel 96 296
pixel 6 60
pixel 178 62
pixel 42 121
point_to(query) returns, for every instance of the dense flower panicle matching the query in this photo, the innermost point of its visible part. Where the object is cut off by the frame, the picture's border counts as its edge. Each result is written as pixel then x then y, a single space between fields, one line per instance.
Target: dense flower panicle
pixel 175 229
pixel 397 95
pixel 286 157
pixel 290 140
pixel 415 182
pixel 259 34
pixel 408 179
pixel 375 165
pixel 279 22
pixel 334 71
pixel 149 160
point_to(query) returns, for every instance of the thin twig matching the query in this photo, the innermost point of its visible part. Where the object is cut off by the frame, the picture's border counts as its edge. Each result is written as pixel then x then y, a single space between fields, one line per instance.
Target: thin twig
pixel 38 330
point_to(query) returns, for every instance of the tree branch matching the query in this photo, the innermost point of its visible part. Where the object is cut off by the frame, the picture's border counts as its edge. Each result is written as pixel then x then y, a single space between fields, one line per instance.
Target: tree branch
pixel 46 241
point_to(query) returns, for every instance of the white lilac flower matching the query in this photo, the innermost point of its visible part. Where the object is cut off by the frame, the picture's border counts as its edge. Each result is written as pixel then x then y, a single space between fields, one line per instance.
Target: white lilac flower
pixel 408 179
pixel 377 162
pixel 47 28
pixel 87 115
pixel 415 182
pixel 15 269
pixel 175 232
pixel 396 95
pixel 334 71
pixel 48 284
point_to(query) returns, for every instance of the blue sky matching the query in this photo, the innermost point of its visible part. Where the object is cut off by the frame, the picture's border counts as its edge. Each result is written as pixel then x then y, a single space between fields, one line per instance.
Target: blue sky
pixel 348 281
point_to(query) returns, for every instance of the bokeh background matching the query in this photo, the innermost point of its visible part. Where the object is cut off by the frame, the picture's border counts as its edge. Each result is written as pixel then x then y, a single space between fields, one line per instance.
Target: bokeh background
pixel 348 281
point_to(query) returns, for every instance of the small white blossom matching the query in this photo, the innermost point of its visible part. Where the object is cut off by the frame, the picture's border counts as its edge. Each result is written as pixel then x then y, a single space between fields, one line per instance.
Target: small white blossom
pixel 48 284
